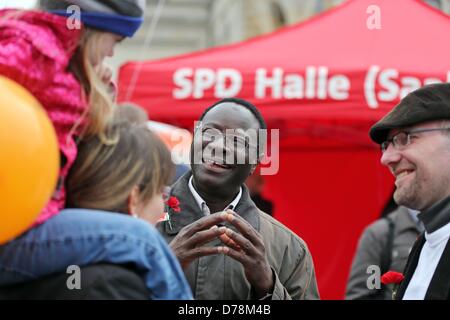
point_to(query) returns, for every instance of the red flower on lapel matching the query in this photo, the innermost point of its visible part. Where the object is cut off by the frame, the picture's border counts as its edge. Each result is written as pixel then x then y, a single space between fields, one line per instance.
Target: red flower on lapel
pixel 392 277
pixel 174 204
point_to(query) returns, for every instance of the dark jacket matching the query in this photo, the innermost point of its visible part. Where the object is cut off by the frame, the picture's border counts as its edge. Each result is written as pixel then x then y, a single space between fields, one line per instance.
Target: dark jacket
pixel 220 277
pixel 374 248
pixel 98 282
pixel 439 287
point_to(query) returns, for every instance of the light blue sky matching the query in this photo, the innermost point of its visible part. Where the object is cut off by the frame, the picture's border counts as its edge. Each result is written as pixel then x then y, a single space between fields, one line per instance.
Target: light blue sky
pixel 24 4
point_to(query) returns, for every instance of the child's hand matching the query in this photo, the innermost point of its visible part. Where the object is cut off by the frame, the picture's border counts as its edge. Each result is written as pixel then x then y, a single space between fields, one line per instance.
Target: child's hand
pixel 105 73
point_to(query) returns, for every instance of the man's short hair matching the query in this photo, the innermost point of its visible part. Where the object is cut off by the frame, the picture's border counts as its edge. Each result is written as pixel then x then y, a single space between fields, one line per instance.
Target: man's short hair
pixel 243 103
pixel 252 108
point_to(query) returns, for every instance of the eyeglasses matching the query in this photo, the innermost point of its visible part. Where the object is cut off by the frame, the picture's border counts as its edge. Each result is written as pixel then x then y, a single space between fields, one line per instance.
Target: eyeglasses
pixel 240 142
pixel 403 138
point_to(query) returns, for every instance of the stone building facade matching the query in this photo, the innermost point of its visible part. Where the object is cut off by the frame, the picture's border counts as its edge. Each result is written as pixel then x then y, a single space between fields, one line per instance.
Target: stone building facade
pixel 185 26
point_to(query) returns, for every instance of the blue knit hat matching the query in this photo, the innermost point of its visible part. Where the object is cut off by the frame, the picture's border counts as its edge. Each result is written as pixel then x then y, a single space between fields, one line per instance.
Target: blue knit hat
pixel 122 17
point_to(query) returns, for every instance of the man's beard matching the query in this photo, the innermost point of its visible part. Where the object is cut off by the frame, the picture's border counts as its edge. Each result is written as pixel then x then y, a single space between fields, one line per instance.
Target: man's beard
pixel 408 196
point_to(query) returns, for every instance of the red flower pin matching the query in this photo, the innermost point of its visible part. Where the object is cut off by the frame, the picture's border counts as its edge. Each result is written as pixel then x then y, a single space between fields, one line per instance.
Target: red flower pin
pixel 174 204
pixel 392 277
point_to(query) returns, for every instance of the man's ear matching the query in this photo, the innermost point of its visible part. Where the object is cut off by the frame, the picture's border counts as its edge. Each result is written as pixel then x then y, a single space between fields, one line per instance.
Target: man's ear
pixel 133 201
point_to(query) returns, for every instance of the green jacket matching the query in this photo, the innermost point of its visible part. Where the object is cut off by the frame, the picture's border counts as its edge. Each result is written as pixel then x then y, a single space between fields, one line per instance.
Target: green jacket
pixel 219 277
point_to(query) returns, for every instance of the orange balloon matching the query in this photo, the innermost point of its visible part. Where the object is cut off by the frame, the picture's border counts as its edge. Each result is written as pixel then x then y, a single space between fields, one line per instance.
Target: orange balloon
pixel 29 159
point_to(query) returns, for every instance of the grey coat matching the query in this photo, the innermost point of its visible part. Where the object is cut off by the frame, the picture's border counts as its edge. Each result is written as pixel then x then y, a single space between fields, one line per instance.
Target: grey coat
pixel 219 277
pixel 372 249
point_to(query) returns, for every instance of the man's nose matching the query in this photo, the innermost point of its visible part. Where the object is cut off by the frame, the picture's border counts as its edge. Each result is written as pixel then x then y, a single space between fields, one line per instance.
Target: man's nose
pixel 390 156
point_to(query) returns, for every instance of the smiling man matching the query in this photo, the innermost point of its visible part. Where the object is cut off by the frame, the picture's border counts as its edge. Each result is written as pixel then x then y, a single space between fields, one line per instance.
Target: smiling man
pixel 415 143
pixel 227 247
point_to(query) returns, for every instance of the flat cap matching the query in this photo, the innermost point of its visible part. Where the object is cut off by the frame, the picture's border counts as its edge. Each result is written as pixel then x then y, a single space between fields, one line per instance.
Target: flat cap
pixel 431 102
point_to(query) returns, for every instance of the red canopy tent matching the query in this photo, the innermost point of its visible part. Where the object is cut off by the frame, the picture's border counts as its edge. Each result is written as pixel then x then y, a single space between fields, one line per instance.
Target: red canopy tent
pixel 323 83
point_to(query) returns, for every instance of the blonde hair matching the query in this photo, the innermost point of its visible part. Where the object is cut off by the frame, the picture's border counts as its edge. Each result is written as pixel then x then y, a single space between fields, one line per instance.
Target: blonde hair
pixel 93 90
pixel 100 101
pixel 104 175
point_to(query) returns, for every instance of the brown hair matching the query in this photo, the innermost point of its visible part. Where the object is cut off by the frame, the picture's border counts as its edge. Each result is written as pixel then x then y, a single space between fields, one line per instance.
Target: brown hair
pixel 104 175
pixel 131 113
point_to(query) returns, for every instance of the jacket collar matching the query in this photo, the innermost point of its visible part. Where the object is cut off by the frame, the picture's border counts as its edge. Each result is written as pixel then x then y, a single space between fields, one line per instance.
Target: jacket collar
pixel 437 216
pixel 190 212
pixel 411 265
pixel 439 288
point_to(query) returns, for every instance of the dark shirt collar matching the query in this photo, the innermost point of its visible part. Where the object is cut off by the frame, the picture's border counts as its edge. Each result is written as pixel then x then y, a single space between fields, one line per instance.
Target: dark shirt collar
pixel 437 216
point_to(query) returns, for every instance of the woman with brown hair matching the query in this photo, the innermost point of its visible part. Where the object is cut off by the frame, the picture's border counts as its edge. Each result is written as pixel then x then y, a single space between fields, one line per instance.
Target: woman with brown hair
pixel 58 54
pixel 108 182
pixel 128 176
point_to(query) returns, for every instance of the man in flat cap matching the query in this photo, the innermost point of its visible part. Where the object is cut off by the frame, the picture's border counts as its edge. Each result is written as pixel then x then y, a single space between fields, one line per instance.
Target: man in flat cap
pixel 415 144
